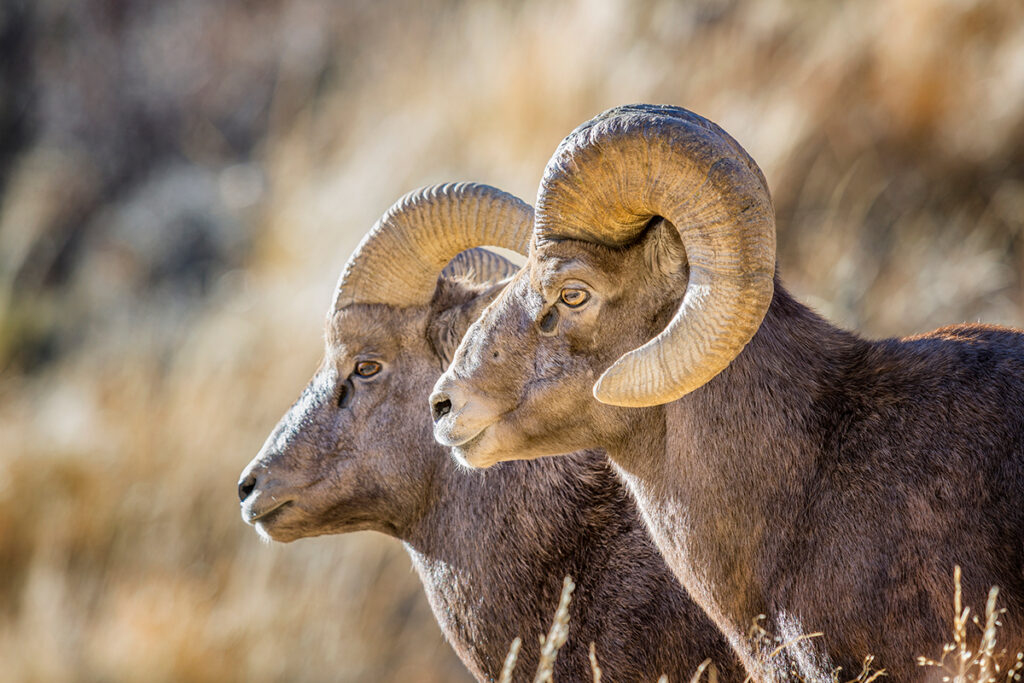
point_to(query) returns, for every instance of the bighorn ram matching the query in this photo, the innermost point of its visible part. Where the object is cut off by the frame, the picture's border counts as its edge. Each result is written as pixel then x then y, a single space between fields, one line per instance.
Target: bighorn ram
pixel 785 467
pixel 355 452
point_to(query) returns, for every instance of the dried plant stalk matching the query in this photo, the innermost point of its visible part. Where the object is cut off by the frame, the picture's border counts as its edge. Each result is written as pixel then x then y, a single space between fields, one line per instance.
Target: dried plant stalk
pixel 984 664
pixel 595 670
pixel 556 636
pixel 510 661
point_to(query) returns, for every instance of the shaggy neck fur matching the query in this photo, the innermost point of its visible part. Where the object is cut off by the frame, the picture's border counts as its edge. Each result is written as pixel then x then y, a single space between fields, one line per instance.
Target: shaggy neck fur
pixel 492 550
pixel 812 481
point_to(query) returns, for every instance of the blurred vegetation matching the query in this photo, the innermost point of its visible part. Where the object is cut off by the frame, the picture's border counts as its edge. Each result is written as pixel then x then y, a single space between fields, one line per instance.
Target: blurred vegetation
pixel 181 182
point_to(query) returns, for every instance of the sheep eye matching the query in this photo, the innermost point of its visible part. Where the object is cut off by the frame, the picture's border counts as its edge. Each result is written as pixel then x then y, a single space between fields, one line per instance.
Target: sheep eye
pixel 573 297
pixel 367 368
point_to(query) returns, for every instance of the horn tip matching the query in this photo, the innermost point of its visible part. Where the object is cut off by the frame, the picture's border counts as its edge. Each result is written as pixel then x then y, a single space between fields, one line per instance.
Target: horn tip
pixel 612 389
pixel 603 395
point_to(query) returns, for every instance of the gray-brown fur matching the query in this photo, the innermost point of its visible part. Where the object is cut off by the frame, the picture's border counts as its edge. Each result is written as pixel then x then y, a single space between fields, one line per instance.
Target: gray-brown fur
pixel 490 547
pixel 828 482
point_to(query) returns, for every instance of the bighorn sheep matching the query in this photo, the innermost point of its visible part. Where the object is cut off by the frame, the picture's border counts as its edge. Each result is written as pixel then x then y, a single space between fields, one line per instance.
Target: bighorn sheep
pixel 355 453
pixel 785 467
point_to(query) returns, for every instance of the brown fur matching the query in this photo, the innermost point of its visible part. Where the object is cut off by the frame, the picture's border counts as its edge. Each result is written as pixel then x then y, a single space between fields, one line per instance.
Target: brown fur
pixel 828 482
pixel 491 548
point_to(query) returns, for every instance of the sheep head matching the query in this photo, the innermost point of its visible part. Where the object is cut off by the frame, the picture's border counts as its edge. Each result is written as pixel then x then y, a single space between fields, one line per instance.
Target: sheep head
pixel 349 454
pixel 650 269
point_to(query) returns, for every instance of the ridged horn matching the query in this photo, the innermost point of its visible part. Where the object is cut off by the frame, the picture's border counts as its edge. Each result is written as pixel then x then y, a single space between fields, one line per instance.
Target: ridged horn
pixel 398 261
pixel 480 265
pixel 606 181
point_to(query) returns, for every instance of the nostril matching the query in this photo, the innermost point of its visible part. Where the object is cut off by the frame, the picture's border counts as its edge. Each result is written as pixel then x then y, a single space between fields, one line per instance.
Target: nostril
pixel 440 406
pixel 245 487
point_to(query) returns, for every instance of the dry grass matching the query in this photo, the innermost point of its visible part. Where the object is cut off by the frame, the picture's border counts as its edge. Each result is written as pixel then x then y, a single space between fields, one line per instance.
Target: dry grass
pixel 892 134
pixel 550 644
pixel 798 665
pixel 974 655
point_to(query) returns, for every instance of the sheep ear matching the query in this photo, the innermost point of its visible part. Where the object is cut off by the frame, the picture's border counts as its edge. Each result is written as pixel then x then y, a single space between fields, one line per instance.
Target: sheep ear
pixel 467 284
pixel 457 303
pixel 663 249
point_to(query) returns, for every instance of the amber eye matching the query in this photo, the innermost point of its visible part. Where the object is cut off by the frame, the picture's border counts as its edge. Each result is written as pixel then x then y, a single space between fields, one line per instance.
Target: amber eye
pixel 574 298
pixel 367 368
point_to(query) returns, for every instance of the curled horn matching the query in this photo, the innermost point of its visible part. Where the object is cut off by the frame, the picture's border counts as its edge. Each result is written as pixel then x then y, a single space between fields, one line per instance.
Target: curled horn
pixel 605 183
pixel 480 265
pixel 398 261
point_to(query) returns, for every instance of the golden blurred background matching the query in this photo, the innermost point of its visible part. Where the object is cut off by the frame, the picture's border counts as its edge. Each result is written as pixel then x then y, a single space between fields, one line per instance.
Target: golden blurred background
pixel 182 180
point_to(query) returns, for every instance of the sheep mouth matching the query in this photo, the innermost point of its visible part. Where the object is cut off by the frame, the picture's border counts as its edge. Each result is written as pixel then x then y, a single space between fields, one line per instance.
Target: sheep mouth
pixel 476 454
pixel 451 433
pixel 267 516
pixel 460 449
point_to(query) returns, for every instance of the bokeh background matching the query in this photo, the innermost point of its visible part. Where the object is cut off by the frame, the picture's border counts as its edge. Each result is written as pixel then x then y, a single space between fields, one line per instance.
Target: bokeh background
pixel 182 180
